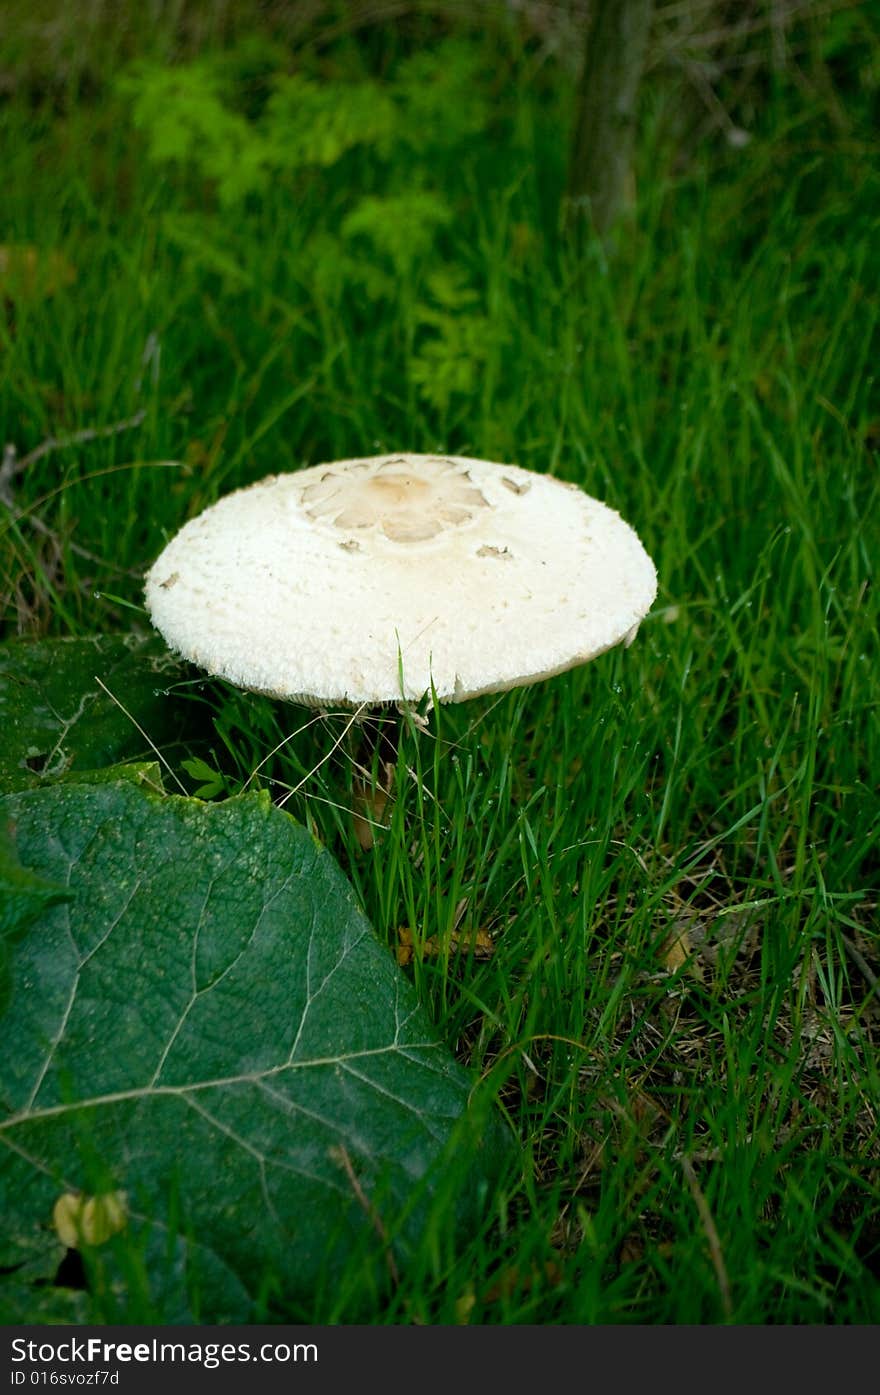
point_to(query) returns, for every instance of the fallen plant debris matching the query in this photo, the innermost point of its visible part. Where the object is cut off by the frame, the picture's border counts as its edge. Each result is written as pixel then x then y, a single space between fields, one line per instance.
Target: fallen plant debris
pixel 478 943
pixel 30 273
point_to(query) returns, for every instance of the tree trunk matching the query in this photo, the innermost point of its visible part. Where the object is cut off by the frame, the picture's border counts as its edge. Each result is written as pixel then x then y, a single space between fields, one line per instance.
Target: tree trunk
pixel 600 179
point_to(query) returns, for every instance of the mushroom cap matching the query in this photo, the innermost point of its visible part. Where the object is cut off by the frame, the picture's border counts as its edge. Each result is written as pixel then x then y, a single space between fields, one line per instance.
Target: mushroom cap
pixel 383 579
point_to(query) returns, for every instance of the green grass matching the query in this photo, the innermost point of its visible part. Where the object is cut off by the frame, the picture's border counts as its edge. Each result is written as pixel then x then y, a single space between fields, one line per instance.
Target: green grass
pixel 675 849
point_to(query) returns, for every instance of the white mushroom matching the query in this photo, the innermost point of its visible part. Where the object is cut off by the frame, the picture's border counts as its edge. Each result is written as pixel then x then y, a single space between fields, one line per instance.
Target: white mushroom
pixel 384 579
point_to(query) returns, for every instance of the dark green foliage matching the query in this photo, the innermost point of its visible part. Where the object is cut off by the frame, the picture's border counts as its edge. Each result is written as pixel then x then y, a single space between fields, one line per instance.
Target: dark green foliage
pixel 207 1025
pixel 72 705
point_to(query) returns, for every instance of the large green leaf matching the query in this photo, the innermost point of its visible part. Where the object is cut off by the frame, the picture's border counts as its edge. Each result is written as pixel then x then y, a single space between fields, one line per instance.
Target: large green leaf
pixel 23 896
pixel 209 1026
pixel 56 717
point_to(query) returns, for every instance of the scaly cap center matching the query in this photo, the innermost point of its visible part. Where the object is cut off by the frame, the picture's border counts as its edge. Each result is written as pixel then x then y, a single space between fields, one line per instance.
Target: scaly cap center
pixel 405 498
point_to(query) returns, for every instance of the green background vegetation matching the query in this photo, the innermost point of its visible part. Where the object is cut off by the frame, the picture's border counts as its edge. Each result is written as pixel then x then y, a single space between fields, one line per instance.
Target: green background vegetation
pixel 269 243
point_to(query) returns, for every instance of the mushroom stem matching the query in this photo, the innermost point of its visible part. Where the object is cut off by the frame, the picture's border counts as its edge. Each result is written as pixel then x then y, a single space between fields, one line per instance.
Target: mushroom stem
pixel 375 761
pixel 379 738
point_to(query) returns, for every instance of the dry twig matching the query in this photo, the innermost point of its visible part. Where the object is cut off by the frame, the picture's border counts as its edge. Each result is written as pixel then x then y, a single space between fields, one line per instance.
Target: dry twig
pixel 342 1157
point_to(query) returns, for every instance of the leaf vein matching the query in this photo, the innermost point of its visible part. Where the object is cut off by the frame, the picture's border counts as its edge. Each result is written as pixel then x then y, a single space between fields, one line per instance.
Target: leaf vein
pixel 30 1115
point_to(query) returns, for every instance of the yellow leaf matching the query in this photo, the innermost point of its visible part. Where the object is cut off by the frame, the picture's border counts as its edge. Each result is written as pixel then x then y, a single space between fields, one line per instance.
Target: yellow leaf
pixel 479 943
pixel 464 1306
pixel 88 1220
pixel 678 952
pixel 404 945
pixel 676 949
pixel 27 273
